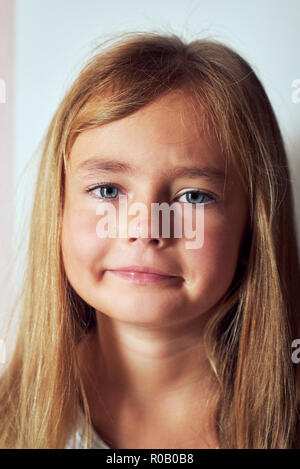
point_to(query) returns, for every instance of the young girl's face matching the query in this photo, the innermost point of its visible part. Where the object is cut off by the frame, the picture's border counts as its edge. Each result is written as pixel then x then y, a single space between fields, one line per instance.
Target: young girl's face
pixel 153 141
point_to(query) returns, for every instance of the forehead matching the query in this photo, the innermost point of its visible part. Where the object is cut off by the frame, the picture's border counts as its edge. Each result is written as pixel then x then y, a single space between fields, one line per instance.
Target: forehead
pixel 166 132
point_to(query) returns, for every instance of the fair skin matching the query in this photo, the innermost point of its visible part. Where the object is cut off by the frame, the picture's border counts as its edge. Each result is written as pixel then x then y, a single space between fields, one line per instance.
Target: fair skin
pixel 148 382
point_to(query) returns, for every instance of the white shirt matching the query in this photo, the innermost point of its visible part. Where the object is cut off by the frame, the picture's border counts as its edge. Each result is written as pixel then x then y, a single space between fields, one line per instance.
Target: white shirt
pixel 97 442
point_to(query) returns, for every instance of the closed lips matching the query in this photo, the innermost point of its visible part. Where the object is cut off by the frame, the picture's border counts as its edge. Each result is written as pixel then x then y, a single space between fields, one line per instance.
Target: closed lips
pixel 144 269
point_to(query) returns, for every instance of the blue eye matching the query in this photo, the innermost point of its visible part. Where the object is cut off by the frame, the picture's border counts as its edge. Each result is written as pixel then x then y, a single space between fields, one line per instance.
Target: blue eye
pixel 107 191
pixel 197 197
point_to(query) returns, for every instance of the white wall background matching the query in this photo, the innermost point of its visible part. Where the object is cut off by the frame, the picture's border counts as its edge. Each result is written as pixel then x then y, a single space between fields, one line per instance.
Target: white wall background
pixel 6 161
pixel 53 38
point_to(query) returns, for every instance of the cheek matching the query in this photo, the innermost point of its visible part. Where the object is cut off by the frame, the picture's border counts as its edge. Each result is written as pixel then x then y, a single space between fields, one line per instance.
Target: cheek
pixel 212 267
pixel 82 249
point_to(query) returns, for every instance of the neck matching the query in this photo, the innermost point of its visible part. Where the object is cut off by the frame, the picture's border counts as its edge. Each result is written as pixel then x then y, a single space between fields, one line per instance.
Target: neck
pixel 151 361
pixel 151 374
pixel 144 365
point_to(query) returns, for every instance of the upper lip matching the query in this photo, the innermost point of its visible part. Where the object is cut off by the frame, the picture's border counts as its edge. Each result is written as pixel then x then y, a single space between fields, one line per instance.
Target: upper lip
pixel 144 268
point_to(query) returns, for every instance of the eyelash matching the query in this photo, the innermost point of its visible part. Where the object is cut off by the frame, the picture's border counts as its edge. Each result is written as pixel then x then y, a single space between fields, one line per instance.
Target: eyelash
pixel 101 185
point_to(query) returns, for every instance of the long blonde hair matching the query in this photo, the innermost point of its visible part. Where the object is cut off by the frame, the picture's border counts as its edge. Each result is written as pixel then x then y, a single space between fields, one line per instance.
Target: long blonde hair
pixel 248 340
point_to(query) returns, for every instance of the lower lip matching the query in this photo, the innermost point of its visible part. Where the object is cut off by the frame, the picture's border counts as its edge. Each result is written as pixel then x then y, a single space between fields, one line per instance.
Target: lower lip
pixel 143 277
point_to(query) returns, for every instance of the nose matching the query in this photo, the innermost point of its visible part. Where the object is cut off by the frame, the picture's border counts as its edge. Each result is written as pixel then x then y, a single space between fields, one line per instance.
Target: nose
pixel 145 223
pixel 145 229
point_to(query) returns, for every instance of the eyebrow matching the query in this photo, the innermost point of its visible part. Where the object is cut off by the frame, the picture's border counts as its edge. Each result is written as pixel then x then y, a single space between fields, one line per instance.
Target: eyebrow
pixel 94 166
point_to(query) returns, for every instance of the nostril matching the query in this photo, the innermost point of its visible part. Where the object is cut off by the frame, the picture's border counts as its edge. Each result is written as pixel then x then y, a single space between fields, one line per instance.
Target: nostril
pixel 154 241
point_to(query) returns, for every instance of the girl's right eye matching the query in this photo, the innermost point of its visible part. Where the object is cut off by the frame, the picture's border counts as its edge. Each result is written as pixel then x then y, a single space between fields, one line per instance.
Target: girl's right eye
pixel 105 191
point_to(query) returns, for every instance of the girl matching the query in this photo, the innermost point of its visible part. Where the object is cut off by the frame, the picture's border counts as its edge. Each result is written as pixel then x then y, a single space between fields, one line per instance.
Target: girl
pixel 138 341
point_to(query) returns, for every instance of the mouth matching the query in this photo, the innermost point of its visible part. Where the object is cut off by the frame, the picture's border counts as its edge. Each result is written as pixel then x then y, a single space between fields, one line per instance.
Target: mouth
pixel 144 277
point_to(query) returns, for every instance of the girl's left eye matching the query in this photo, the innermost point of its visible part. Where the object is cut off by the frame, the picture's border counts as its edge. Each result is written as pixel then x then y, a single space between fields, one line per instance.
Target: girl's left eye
pixel 197 197
pixel 110 191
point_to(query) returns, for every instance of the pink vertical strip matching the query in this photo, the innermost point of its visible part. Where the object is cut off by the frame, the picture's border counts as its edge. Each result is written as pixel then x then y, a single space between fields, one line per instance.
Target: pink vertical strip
pixel 7 15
